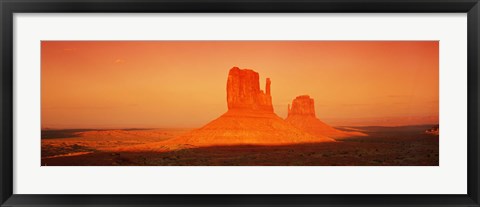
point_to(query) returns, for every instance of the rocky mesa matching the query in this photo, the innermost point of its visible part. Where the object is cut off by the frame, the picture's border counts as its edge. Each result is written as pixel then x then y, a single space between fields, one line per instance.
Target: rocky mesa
pixel 250 118
pixel 244 93
pixel 301 114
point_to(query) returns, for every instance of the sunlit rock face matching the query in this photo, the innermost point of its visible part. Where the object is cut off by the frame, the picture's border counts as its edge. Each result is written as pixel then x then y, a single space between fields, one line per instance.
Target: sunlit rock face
pixel 301 114
pixel 243 91
pixel 250 118
pixel 302 105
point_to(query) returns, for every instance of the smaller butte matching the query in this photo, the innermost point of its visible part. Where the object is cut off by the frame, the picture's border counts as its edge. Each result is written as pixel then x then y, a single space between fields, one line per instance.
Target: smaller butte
pixel 301 114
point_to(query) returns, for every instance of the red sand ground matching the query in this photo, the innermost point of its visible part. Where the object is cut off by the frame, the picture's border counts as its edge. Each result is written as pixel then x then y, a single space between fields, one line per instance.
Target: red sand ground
pixel 391 146
pixel 315 126
pixel 237 128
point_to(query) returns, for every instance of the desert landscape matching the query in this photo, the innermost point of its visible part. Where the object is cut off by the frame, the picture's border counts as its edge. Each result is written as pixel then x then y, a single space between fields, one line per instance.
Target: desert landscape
pixel 240 103
pixel 248 134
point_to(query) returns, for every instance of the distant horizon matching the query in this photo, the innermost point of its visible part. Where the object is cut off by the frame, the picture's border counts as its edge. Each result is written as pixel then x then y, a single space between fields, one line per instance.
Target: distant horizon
pixel 148 128
pixel 181 84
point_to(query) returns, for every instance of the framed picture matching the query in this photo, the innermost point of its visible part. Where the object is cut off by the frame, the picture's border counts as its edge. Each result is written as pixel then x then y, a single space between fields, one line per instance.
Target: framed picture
pixel 239 103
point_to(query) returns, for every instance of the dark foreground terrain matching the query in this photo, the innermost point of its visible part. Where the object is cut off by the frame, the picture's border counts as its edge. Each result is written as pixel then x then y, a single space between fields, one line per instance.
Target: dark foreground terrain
pixel 385 146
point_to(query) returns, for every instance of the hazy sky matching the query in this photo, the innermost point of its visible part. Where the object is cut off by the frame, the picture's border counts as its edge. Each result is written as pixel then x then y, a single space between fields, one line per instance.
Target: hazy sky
pixel 119 84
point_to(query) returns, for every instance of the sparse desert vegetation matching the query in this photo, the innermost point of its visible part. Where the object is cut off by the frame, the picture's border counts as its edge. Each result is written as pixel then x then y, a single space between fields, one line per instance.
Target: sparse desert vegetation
pixel 385 146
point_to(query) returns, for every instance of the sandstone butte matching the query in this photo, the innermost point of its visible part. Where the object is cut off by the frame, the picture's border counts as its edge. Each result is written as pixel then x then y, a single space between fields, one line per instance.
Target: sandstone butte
pixel 301 114
pixel 250 118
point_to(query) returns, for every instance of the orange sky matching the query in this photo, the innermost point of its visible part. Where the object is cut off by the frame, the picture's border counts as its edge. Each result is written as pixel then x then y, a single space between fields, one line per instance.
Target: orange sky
pixel 130 84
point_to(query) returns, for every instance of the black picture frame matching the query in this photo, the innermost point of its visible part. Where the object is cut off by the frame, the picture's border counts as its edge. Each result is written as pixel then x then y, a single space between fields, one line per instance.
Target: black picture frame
pixel 10 7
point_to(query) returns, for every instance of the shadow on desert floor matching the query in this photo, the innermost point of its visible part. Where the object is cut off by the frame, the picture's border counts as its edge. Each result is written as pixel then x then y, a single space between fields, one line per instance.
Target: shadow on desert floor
pixel 385 146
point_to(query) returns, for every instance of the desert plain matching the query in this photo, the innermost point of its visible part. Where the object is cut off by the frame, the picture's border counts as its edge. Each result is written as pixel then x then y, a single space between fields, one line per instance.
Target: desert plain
pixel 385 146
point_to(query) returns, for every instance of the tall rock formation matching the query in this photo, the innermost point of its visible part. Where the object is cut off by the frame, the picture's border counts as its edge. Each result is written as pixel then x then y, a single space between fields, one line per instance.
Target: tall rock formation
pixel 301 114
pixel 250 118
pixel 243 91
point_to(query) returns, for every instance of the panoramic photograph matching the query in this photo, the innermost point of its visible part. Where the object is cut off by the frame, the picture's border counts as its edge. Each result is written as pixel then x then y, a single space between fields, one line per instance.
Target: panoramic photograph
pixel 239 103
